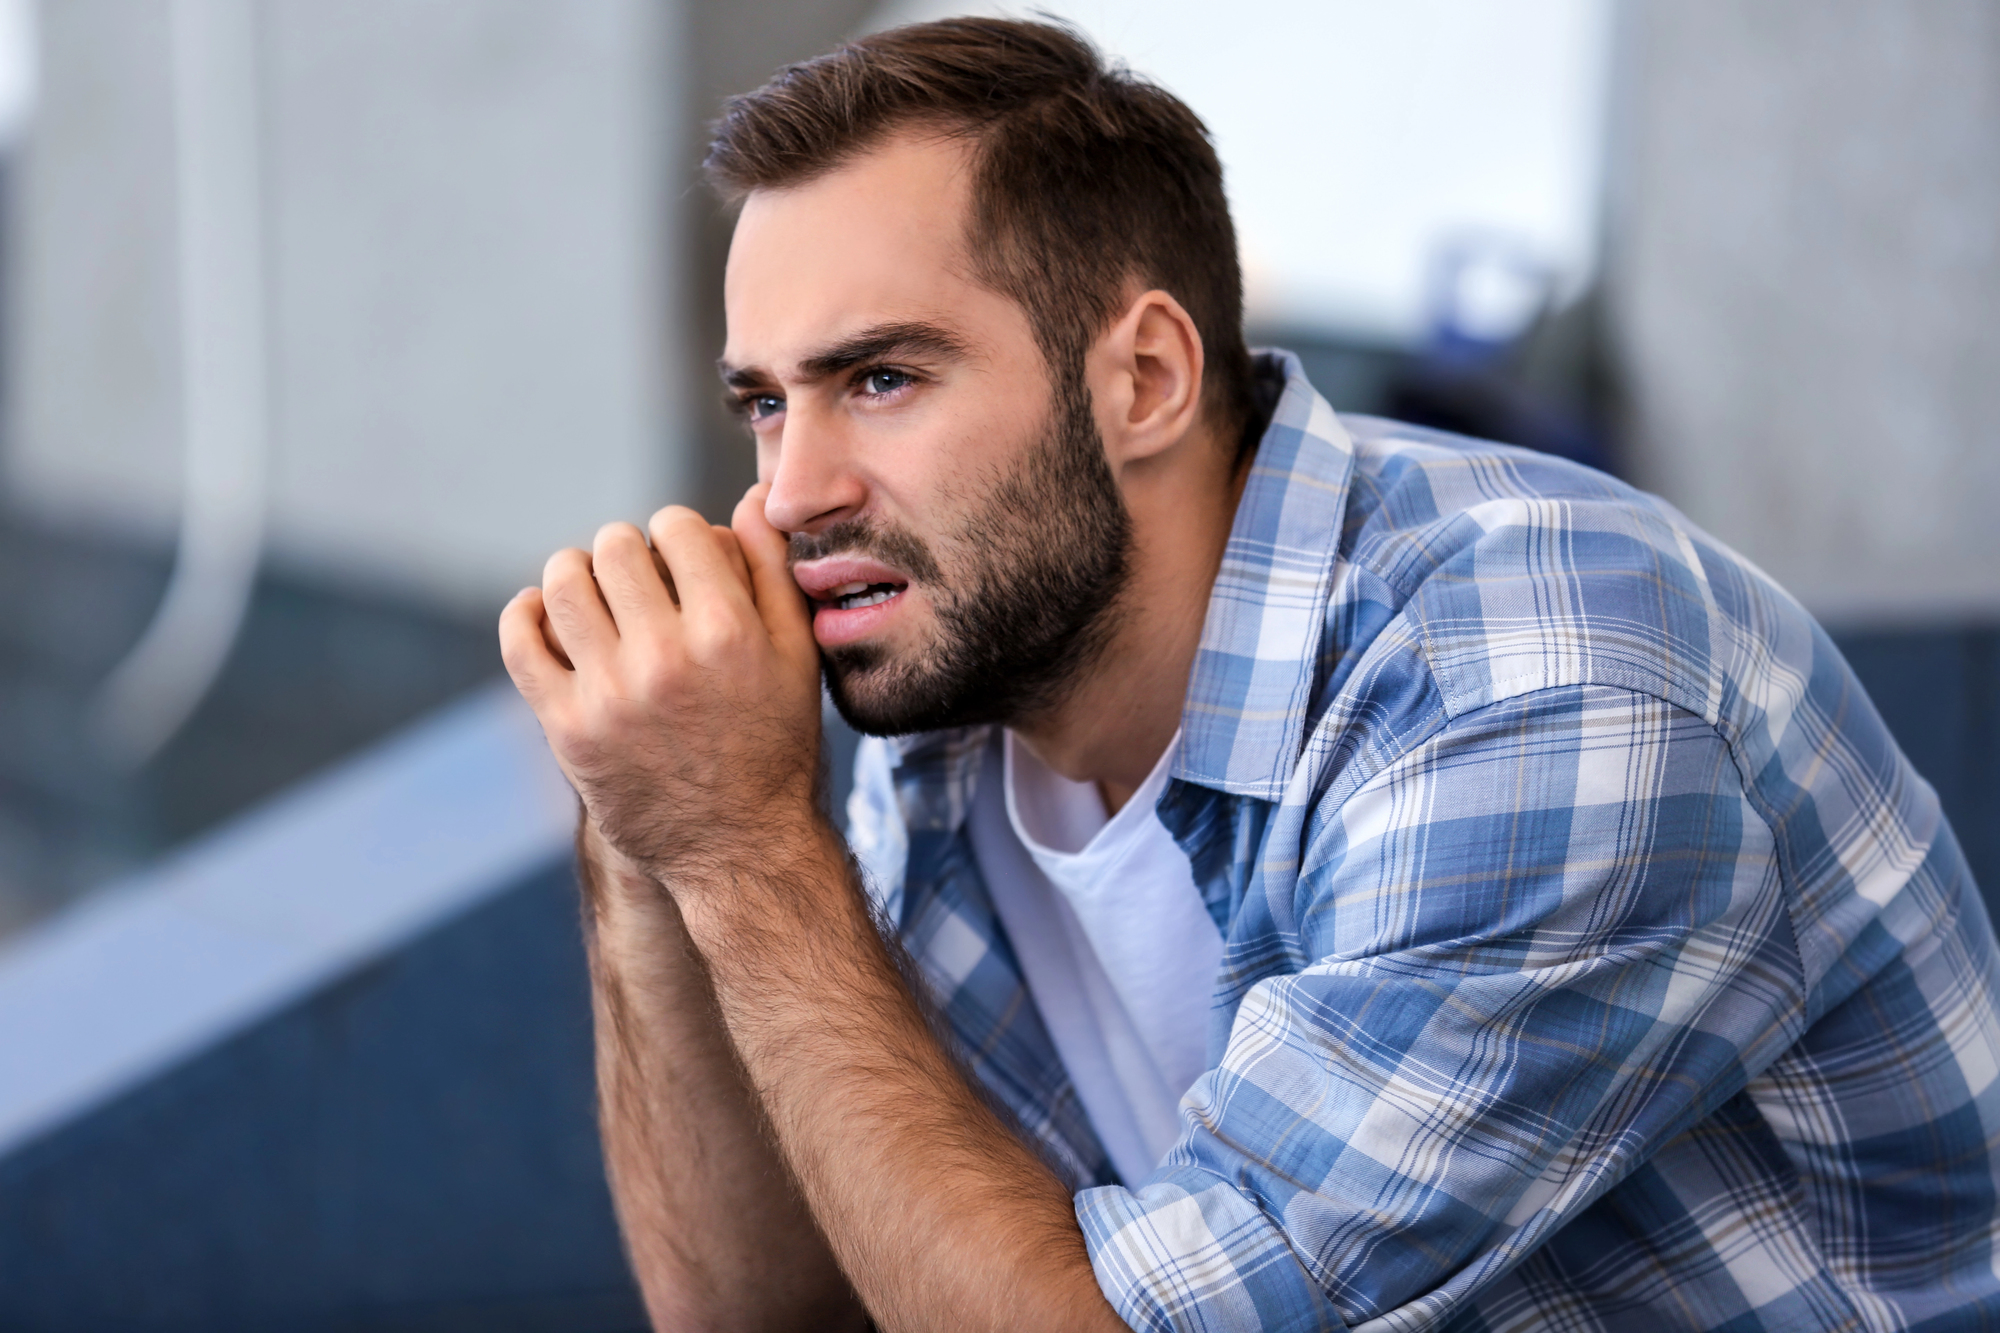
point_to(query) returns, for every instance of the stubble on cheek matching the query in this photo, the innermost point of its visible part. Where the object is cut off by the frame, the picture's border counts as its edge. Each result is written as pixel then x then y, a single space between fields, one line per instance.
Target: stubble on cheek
pixel 1037 564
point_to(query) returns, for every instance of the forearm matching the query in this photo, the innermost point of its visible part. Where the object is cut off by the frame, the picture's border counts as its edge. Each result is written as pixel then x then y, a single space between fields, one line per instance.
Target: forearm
pixel 718 1236
pixel 939 1215
pixel 688 723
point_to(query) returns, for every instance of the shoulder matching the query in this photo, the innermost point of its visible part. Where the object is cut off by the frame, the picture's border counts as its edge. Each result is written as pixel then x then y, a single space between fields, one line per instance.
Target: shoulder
pixel 1509 571
pixel 1475 581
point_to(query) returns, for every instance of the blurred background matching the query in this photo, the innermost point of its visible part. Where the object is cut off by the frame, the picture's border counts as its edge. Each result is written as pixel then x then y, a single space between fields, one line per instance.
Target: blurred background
pixel 321 325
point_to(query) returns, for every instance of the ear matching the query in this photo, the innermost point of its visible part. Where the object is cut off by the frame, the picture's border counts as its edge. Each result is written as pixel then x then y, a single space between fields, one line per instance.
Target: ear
pixel 1145 379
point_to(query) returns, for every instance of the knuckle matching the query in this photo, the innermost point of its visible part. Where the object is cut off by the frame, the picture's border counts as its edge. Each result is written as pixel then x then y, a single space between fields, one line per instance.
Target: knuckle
pixel 564 613
pixel 722 636
pixel 661 675
pixel 586 733
pixel 514 656
pixel 559 726
pixel 614 573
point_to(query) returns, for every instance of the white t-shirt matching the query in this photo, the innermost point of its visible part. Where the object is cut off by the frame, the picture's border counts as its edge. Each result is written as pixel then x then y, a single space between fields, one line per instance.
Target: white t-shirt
pixel 1113 938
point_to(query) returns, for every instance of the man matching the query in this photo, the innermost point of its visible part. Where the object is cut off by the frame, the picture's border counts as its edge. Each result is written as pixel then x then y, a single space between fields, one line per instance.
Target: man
pixel 1348 875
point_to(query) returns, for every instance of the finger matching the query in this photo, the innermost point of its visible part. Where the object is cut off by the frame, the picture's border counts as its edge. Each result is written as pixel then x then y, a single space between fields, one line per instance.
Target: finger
pixel 727 536
pixel 577 617
pixel 537 669
pixel 701 567
pixel 629 576
pixel 548 633
pixel 764 549
pixel 666 575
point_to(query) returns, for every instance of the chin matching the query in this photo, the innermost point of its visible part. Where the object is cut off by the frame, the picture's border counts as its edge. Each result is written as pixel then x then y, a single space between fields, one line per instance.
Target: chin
pixel 866 701
pixel 878 696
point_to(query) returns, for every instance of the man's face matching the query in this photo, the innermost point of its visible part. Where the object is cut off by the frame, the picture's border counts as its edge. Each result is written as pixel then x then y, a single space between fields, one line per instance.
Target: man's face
pixel 953 518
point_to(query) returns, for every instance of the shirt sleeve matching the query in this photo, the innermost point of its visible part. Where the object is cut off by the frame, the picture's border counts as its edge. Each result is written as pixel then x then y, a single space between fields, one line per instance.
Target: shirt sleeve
pixel 1529 951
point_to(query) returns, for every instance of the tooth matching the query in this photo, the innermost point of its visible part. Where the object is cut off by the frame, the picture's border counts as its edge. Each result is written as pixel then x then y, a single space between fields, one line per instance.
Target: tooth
pixel 847 590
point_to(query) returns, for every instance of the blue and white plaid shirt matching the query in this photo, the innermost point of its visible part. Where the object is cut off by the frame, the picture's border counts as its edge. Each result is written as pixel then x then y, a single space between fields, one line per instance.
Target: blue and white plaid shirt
pixel 1594 959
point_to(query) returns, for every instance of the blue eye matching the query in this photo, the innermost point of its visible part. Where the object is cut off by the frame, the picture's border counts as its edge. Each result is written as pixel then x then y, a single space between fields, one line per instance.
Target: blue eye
pixel 763 405
pixel 883 382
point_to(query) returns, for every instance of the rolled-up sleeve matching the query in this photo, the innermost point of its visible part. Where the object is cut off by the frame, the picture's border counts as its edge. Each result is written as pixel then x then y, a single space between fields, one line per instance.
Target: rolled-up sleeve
pixel 1538 945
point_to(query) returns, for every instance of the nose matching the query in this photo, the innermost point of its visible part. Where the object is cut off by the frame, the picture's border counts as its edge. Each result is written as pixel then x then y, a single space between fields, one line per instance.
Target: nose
pixel 812 472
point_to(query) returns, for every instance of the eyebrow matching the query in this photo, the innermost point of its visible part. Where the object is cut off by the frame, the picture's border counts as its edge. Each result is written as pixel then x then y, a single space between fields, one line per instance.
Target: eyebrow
pixel 878 343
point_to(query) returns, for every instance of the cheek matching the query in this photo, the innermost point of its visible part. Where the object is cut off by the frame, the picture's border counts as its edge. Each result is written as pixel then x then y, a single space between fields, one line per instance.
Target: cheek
pixel 962 484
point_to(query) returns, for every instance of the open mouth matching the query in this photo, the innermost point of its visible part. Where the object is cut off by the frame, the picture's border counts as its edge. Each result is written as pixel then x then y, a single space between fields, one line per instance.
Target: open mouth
pixel 854 596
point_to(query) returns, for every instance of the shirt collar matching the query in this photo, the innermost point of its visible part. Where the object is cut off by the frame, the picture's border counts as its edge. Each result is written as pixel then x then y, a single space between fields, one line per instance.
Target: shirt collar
pixel 1243 724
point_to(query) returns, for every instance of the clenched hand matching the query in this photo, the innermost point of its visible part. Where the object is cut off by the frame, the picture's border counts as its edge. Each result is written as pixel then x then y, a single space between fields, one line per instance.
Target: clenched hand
pixel 678 685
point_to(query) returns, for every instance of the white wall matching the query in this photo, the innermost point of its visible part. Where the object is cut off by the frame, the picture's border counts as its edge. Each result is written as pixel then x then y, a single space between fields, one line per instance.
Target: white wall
pixel 1807 291
pixel 469 256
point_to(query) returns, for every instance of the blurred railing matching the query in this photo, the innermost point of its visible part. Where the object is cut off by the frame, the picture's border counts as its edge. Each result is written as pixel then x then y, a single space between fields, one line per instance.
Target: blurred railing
pixel 327 1066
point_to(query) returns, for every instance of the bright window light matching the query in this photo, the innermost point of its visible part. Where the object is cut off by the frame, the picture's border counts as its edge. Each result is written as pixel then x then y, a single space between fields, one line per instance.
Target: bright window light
pixel 1365 138
pixel 17 67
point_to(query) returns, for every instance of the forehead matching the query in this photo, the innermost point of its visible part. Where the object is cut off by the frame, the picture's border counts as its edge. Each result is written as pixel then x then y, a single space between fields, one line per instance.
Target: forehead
pixel 876 241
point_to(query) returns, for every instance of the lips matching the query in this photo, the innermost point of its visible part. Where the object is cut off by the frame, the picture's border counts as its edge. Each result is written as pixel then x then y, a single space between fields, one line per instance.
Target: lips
pixel 839 579
pixel 852 596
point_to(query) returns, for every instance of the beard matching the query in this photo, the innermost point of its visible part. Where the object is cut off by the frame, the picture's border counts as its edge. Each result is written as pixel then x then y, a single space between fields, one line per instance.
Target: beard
pixel 1027 605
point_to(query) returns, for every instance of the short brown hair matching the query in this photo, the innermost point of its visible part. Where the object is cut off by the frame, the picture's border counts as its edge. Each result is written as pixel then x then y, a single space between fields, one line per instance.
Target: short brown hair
pixel 1087 177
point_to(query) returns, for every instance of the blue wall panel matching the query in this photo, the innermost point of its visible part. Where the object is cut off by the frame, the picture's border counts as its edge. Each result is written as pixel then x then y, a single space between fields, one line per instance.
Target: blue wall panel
pixel 412 1148
pixel 1939 691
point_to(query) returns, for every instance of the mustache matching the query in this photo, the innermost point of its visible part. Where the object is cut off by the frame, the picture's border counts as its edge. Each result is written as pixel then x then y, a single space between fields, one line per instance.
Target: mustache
pixel 893 546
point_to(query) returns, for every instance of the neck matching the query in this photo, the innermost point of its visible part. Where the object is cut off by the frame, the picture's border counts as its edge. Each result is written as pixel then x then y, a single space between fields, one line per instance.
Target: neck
pixel 1115 721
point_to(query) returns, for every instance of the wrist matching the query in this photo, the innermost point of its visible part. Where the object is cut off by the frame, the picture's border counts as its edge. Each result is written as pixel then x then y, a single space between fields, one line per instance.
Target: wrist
pixel 621 900
pixel 794 876
pixel 681 851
